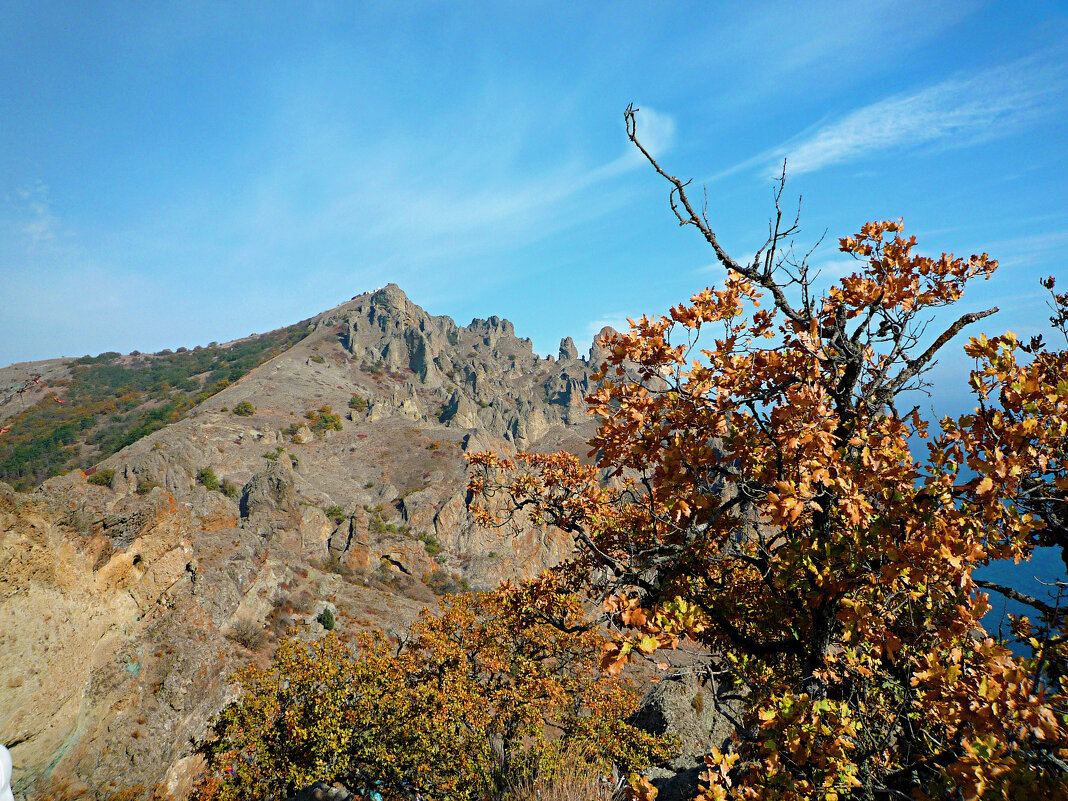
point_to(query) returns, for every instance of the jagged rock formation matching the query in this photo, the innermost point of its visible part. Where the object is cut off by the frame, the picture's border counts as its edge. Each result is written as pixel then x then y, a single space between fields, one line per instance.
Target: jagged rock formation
pixel 123 608
pixel 477 377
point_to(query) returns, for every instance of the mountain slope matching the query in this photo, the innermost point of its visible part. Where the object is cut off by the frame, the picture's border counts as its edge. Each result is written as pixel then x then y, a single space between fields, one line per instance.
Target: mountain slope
pixel 109 401
pixel 124 603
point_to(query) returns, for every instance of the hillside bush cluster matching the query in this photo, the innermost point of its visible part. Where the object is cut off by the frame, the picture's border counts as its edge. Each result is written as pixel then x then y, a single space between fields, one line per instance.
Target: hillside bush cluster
pixel 110 402
pixel 479 692
pixel 323 419
pixel 244 409
pixel 206 478
pixel 102 477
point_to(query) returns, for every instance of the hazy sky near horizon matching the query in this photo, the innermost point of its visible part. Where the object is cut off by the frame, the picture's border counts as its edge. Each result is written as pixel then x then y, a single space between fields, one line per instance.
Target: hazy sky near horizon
pixel 172 174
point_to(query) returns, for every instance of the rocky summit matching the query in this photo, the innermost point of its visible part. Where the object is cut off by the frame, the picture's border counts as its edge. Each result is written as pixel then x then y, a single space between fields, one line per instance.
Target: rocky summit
pixel 330 477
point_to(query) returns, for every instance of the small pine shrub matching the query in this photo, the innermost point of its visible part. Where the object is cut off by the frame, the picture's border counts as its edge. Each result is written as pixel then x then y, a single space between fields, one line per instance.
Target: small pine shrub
pixel 102 477
pixel 335 513
pixel 230 489
pixel 208 479
pixel 326 618
pixel 358 403
pixel 244 409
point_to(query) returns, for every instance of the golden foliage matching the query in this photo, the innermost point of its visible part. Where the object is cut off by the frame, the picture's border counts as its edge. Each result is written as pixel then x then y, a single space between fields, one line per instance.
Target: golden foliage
pixel 764 502
pixel 477 689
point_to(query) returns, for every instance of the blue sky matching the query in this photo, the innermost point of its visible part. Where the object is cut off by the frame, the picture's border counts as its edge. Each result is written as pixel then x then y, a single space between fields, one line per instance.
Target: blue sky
pixel 175 174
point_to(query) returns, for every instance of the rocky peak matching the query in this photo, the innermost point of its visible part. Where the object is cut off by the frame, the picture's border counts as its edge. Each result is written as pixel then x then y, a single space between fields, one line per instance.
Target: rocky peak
pixel 568 351
pixel 476 376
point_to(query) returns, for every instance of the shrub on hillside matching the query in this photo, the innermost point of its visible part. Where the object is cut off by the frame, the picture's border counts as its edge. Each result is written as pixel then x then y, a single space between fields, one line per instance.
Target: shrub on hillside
pixel 207 479
pixel 146 485
pixel 244 409
pixel 322 420
pixel 249 634
pixel 326 619
pixel 102 477
pixel 480 692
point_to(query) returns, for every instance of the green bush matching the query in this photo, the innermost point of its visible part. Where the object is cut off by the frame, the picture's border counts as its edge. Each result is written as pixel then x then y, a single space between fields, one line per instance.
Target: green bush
pixel 442 583
pixel 335 513
pixel 230 489
pixel 322 420
pixel 326 618
pixel 318 359
pixel 102 477
pixel 208 479
pixel 430 542
pixel 146 485
pixel 358 403
pixel 244 409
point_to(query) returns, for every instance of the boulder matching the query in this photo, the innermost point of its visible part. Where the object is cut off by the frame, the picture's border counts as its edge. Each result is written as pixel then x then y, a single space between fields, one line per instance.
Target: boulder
pixel 683 706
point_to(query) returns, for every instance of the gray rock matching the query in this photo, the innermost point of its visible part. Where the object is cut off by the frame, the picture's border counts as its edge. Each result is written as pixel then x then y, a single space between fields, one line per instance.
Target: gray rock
pixel 683 707
pixel 321 791
pixel 270 491
pixel 568 351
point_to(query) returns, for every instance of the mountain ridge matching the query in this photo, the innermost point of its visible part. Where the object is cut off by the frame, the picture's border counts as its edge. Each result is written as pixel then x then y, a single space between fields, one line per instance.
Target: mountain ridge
pixel 129 591
pixel 112 399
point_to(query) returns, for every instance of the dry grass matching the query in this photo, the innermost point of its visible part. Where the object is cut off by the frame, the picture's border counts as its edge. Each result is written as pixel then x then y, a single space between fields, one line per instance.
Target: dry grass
pixel 249 634
pixel 572 777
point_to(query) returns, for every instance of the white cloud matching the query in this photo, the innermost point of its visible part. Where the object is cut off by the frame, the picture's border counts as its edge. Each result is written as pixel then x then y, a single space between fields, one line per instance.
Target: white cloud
pixel 955 113
pixel 1028 250
pixel 616 320
pixel 32 218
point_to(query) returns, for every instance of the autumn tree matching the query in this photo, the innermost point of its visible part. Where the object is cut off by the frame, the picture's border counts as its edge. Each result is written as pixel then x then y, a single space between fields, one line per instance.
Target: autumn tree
pixel 754 493
pixel 482 689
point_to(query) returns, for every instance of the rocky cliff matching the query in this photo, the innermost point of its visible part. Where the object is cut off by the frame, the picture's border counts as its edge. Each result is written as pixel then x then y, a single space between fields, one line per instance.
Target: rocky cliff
pixel 128 595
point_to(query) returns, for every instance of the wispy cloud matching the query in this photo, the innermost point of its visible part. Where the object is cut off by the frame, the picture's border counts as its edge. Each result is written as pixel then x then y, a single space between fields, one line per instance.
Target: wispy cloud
pixel 616 320
pixel 31 216
pixel 444 199
pixel 958 112
pixel 1034 249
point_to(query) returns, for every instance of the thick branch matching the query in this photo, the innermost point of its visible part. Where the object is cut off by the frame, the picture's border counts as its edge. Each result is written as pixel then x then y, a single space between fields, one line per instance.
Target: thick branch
pixel 914 367
pixel 1052 612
